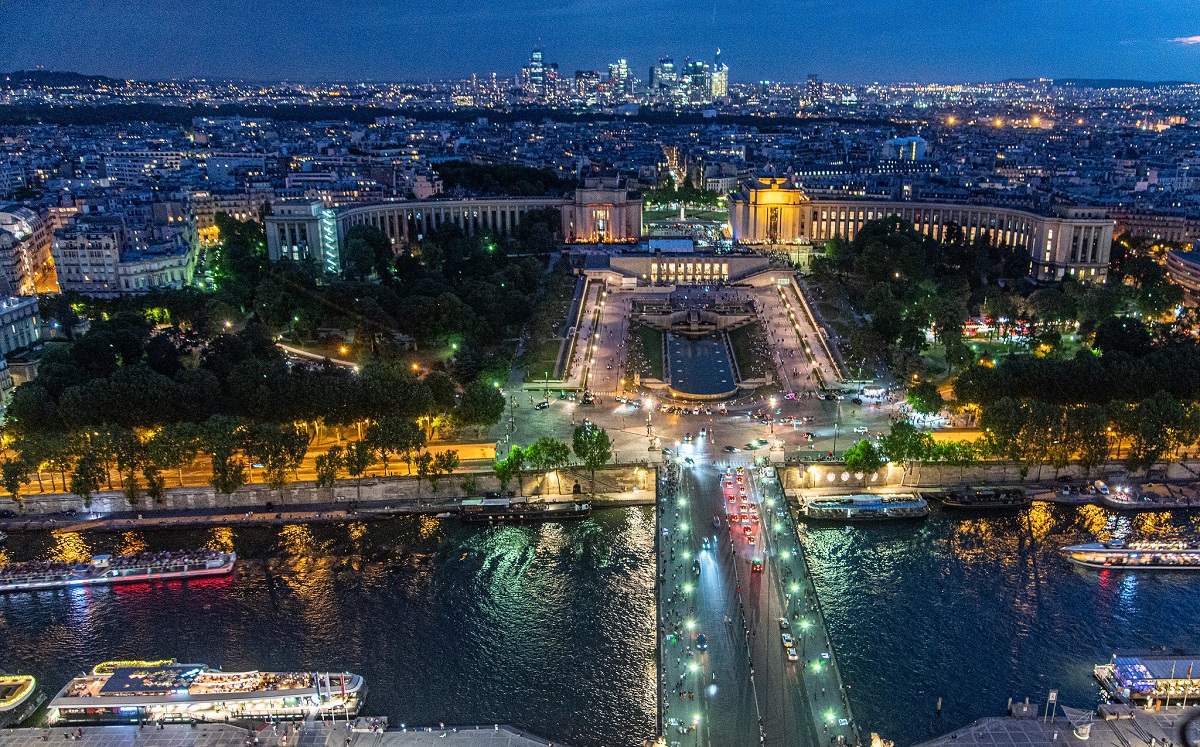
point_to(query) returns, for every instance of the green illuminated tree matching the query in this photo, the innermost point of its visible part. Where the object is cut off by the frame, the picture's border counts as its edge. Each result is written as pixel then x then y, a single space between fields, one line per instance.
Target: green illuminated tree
pixel 863 457
pixel 593 447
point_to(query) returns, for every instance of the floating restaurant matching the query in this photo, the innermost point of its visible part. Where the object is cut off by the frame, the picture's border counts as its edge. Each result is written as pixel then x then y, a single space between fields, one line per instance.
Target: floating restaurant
pixel 1129 679
pixel 135 692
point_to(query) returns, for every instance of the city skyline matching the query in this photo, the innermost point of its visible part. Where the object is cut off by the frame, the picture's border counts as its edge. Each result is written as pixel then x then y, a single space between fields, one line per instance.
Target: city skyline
pixel 858 42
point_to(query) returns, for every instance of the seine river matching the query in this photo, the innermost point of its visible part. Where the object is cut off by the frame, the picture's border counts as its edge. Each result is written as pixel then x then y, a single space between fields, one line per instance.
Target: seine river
pixel 551 627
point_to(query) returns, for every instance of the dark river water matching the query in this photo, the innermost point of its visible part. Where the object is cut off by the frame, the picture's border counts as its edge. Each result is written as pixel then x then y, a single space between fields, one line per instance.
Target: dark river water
pixel 975 609
pixel 551 627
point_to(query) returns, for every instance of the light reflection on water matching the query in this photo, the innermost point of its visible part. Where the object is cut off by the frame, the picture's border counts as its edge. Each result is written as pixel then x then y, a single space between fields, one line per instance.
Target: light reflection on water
pixel 550 626
pixel 977 608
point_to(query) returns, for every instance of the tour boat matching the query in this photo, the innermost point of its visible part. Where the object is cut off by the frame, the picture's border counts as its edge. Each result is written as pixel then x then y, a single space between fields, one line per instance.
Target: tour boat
pixel 115 569
pixel 866 508
pixel 500 510
pixel 1137 555
pixel 16 698
pixel 157 691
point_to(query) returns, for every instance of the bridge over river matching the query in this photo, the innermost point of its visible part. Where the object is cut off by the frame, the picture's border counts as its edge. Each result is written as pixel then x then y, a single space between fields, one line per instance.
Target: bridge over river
pixel 737 684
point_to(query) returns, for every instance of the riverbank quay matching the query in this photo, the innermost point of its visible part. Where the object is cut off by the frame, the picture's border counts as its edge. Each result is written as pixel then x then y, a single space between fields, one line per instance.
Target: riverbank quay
pixel 311 734
pixel 801 472
pixel 304 500
pixel 339 512
pixel 1108 726
pixel 1154 497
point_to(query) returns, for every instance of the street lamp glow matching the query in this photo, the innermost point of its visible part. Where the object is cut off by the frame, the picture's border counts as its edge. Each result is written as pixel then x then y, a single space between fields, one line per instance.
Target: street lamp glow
pixel 795 588
pixel 691 624
pixel 692 667
pixel 817 666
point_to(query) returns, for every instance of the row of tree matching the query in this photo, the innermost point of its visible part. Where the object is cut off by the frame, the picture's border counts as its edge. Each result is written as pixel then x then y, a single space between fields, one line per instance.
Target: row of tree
pixel 590 444
pixel 1032 433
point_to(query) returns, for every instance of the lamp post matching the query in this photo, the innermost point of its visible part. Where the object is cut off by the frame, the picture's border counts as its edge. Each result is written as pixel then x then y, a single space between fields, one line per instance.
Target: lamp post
pixel 837 425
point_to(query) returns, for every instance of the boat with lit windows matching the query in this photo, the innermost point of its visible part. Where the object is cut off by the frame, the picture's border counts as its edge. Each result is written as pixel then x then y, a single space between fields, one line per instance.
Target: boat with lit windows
pixel 855 508
pixel 1176 555
pixel 17 698
pixel 495 510
pixel 135 692
pixel 115 569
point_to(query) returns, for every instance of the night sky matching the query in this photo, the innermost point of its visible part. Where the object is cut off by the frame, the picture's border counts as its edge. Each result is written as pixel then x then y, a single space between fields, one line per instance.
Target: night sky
pixel 843 40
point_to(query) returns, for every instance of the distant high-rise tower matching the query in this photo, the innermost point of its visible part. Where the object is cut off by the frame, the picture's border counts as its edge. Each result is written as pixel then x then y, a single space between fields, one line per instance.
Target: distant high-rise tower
pixel 663 78
pixel 815 92
pixel 619 79
pixel 537 73
pixel 718 81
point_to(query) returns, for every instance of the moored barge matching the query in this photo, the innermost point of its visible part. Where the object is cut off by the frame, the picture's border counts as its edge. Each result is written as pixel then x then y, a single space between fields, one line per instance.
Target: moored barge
pixel 515 510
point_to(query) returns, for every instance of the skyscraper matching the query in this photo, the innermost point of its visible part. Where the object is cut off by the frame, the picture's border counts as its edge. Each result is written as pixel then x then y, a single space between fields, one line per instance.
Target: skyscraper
pixel 537 74
pixel 718 81
pixel 814 94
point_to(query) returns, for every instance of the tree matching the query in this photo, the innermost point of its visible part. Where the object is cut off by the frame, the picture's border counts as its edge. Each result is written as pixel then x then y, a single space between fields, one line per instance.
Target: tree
pixel 444 463
pixel 504 471
pixel 327 466
pixel 1156 420
pixel 424 461
pixel 863 457
pixel 593 447
pixel 550 455
pixel 223 436
pixel 357 458
pixel 925 398
pixel 174 447
pixel 469 485
pixel 519 459
pixel 130 454
pixel 279 448
pixel 1123 334
pixel 482 404
pixel 85 480
pixel 1088 429
pixel 442 388
pixel 14 473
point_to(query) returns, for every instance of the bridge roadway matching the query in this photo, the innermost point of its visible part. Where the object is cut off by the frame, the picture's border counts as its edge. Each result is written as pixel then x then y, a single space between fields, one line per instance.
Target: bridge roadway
pixel 742 689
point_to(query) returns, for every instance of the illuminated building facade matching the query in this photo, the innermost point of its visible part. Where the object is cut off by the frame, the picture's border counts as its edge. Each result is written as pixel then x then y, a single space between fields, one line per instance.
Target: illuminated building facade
pixel 1076 243
pixel 602 211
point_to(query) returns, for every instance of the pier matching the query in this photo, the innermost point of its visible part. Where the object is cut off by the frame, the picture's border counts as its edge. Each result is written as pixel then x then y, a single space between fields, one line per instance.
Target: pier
pixel 1108 726
pixel 737 686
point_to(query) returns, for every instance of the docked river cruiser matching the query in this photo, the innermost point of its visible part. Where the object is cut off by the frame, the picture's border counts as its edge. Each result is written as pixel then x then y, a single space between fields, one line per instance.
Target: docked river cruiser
pixel 854 508
pixel 115 569
pixel 154 691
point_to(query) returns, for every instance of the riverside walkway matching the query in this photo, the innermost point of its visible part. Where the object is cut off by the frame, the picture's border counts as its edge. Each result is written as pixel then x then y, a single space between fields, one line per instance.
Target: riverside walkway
pixel 737 684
